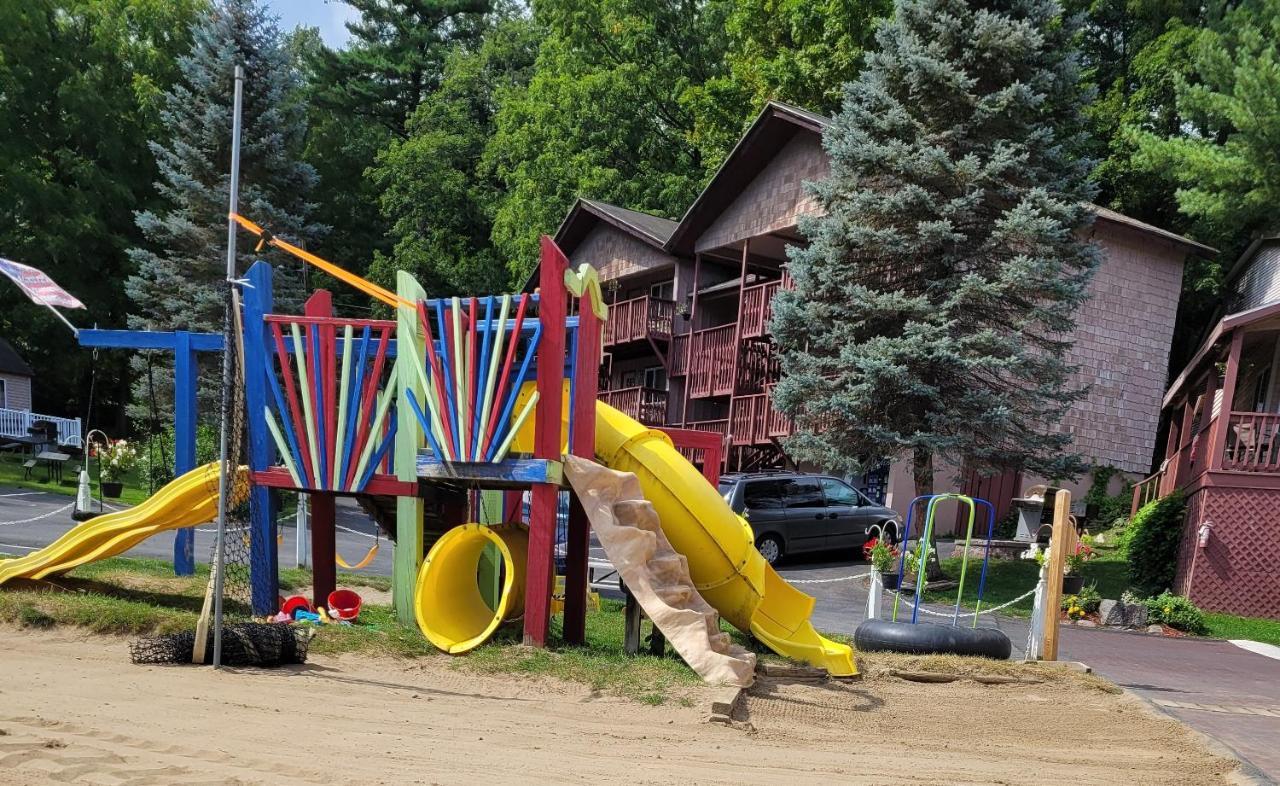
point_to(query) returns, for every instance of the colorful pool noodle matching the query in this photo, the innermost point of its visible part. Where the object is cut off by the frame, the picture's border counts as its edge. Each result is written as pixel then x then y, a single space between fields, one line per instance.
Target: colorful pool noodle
pixel 515 427
pixel 432 427
pixel 473 376
pixel 384 403
pixel 298 425
pixel 513 343
pixel 348 342
pixel 282 447
pixel 304 384
pixel 315 358
pixel 492 351
pixel 329 336
pixel 269 370
pixel 426 428
pixel 363 431
pixel 446 367
pixel 529 354
pixel 433 389
pixel 349 424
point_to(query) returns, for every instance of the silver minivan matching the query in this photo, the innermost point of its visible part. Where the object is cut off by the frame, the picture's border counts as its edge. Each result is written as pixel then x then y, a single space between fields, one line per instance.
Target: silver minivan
pixel 792 512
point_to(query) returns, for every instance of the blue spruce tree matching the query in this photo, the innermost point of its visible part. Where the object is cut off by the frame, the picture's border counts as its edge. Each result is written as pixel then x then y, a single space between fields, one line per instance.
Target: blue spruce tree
pixel 933 307
pixel 181 271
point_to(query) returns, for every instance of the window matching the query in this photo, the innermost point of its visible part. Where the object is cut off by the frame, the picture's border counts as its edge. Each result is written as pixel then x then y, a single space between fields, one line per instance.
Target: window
pixel 665 290
pixel 4 395
pixel 763 495
pixel 1261 390
pixel 804 493
pixel 655 378
pixel 630 379
pixel 838 494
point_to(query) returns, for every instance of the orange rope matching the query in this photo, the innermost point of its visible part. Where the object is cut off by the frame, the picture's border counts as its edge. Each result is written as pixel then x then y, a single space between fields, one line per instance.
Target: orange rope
pixel 368 287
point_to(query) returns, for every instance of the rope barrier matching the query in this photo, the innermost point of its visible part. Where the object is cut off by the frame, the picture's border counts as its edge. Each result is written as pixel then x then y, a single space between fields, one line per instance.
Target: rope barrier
pixel 55 512
pixel 829 581
pixel 991 610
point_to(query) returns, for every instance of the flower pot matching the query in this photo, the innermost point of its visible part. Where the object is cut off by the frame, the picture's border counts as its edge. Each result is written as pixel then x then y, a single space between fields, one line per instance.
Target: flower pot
pixel 1071 585
pixel 890 580
pixel 112 489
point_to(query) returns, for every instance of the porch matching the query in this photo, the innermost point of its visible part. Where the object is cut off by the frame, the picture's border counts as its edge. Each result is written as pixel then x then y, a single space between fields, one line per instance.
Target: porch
pixel 647 405
pixel 639 319
pixel 21 424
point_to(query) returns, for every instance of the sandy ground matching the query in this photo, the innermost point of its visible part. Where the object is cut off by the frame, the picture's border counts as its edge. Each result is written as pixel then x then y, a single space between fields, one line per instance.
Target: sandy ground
pixel 73 709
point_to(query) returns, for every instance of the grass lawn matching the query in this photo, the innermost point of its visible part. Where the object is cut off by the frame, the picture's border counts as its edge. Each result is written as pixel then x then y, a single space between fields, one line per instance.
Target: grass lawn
pixel 11 474
pixel 134 597
pixel 1229 626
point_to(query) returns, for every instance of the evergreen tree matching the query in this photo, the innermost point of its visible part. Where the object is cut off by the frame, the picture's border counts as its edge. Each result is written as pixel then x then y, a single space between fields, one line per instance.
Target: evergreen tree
pixel 180 279
pixel 931 311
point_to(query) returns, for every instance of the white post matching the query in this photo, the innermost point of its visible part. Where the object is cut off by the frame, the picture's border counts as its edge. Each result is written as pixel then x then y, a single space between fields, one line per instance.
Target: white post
pixel 1035 641
pixel 874 591
pixel 300 533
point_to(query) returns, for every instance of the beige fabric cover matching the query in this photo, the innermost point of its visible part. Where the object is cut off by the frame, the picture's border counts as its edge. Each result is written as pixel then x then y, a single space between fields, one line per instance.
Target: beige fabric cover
pixel 656 574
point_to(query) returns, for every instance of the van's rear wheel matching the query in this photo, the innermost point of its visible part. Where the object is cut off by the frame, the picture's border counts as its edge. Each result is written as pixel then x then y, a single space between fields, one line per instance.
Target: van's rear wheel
pixel 770 547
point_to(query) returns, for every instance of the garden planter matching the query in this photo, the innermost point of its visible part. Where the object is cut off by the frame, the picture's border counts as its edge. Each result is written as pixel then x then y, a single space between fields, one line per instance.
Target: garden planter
pixel 1072 585
pixel 890 580
pixel 112 489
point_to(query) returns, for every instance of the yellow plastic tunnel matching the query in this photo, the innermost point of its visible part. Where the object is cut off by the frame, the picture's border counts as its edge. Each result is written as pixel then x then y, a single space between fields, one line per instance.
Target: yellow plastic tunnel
pixel 448 602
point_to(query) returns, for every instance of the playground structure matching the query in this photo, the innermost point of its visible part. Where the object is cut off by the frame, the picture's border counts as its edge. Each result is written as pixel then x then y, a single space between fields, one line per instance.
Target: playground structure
pixel 422 414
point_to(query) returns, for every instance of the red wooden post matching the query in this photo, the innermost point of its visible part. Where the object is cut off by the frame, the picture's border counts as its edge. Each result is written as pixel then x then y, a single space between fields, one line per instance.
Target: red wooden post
pixel 1221 425
pixel 693 328
pixel 324 576
pixel 512 506
pixel 552 310
pixel 324 570
pixel 585 389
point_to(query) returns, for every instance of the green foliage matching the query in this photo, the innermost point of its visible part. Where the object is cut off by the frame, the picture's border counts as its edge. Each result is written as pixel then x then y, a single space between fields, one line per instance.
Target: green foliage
pixel 884 557
pixel 79 88
pixel 1087 600
pixel 1231 626
pixel 156 453
pixel 180 280
pixel 1222 155
pixel 929 309
pixel 1176 612
pixel 435 194
pixel 1112 508
pixel 1151 543
pixel 1007 526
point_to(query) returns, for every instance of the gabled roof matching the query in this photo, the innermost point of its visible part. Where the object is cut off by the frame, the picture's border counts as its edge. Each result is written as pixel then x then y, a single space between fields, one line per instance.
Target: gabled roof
pixel 11 362
pixel 772 128
pixel 587 213
pixel 1107 214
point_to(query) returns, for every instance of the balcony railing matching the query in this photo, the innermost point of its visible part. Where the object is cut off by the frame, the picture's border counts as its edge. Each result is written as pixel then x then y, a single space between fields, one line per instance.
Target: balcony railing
pixel 749 420
pixel 757 307
pixel 720 427
pixel 1253 443
pixel 711 355
pixel 647 405
pixel 639 319
pixel 779 425
pixel 678 359
pixel 18 423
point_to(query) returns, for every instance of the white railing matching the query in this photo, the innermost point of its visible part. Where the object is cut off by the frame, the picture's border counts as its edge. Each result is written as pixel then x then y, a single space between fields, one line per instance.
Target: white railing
pixel 18 423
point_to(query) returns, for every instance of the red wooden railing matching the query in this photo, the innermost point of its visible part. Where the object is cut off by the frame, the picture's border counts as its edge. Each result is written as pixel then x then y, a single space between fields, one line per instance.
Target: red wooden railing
pixel 757 307
pixel 779 425
pixel 678 359
pixel 1253 443
pixel 638 319
pixel 748 419
pixel 720 427
pixel 647 405
pixel 711 362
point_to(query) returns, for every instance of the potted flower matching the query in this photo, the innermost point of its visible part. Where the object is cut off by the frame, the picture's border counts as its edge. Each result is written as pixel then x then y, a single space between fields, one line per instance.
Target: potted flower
pixel 114 462
pixel 1073 568
pixel 884 560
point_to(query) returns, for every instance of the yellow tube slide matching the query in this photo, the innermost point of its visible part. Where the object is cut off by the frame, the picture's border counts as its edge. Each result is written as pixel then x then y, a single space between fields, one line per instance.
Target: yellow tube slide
pixel 450 610
pixel 184 502
pixel 718 544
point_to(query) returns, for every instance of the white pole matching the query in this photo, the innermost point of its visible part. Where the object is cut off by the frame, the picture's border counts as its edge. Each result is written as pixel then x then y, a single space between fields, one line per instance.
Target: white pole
pixel 300 532
pixel 874 592
pixel 227 380
pixel 74 330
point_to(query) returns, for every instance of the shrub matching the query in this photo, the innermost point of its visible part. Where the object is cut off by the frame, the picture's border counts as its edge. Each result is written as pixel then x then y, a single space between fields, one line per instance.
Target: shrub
pixel 1176 612
pixel 1007 526
pixel 1087 600
pixel 1111 508
pixel 1151 544
pixel 157 453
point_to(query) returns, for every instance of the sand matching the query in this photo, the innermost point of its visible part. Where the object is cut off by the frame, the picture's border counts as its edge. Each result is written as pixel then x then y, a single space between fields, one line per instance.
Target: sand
pixel 74 710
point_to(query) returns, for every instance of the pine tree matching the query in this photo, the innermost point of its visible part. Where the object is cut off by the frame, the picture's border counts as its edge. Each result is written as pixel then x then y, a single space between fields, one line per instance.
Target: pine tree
pixel 180 279
pixel 933 308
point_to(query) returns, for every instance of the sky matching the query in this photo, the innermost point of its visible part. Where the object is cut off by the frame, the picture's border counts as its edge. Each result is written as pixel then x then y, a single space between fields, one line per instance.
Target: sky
pixel 328 15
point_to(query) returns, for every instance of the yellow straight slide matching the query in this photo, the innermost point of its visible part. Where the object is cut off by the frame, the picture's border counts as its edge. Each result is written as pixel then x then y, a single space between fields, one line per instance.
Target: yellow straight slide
pixel 184 502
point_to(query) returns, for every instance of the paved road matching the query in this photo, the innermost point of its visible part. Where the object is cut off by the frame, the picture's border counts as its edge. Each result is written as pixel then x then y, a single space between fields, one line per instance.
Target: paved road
pixel 18 536
pixel 1215 687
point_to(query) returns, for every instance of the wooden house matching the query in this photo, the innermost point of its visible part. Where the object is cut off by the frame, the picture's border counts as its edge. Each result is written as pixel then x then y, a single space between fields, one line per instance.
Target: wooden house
pixel 1223 447
pixel 688 342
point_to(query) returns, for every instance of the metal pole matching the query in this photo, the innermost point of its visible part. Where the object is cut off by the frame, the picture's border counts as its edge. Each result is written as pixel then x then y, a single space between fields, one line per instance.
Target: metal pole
pixel 227 380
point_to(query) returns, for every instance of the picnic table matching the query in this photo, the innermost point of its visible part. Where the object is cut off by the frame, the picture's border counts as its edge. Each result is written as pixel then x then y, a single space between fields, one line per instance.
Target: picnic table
pixel 53 462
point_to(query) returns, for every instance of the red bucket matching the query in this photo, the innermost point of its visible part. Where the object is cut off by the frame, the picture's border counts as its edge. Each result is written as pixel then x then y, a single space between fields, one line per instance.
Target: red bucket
pixel 295 604
pixel 344 604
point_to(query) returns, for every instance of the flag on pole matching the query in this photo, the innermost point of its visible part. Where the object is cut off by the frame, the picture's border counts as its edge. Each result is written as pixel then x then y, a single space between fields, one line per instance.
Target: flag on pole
pixel 36 285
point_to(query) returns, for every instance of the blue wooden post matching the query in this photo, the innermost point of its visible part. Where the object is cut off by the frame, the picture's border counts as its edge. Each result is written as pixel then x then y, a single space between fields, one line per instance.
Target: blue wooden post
pixel 184 440
pixel 263 502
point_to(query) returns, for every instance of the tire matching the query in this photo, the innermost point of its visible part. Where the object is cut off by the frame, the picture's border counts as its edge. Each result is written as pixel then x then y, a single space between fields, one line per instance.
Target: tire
pixel 770 547
pixel 927 639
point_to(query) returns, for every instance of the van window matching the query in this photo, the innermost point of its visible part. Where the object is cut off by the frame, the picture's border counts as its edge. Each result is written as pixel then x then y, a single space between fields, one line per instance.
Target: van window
pixel 839 494
pixel 804 493
pixel 763 495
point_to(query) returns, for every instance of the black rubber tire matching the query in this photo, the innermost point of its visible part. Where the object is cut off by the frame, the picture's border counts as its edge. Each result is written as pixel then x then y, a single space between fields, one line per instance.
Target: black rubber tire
pixel 928 639
pixel 777 541
pixel 890 530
